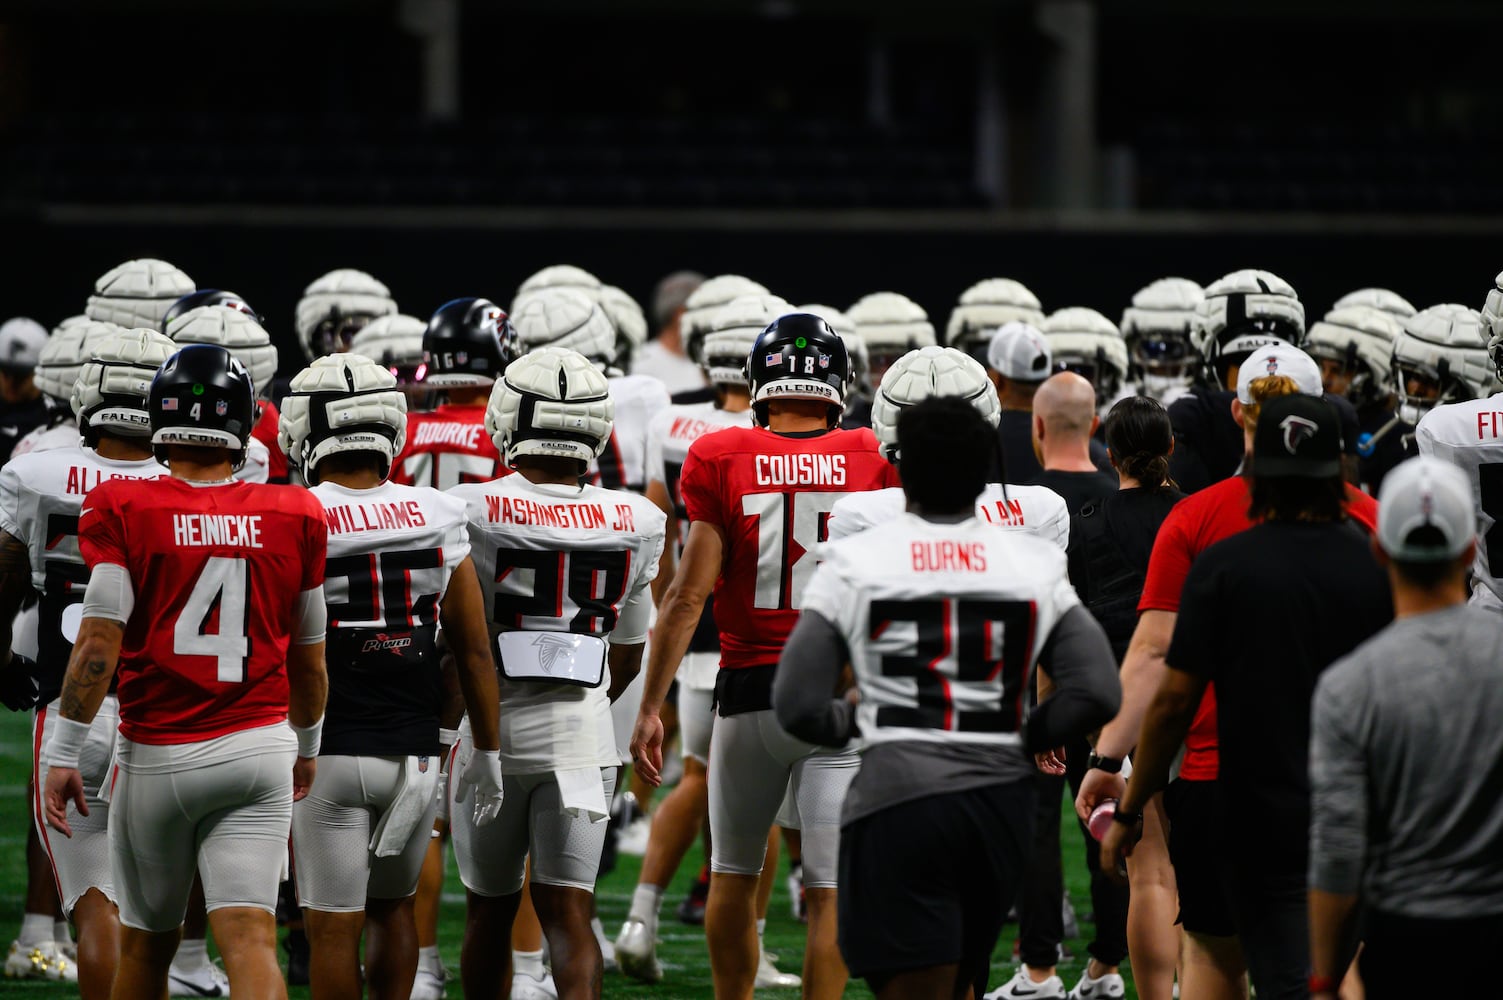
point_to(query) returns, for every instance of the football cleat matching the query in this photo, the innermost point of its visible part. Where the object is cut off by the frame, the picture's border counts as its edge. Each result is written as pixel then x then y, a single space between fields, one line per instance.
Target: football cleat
pixel 525 987
pixel 44 961
pixel 1022 987
pixel 637 952
pixel 205 981
pixel 769 978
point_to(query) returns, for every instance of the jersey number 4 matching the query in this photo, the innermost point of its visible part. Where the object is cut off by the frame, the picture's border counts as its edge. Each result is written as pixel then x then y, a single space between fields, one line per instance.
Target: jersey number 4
pixel 969 661
pixel 221 587
pixel 590 583
pixel 789 526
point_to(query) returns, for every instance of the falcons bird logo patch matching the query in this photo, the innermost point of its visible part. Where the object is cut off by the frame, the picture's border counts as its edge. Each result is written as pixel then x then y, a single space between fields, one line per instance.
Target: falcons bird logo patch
pixel 549 647
pixel 1296 429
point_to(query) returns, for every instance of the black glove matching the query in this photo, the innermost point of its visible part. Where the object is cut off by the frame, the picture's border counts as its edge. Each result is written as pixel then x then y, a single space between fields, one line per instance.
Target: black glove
pixel 18 684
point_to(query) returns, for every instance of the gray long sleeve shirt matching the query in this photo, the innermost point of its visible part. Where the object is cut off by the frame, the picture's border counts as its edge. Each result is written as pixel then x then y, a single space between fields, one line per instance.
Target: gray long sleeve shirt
pixel 1086 695
pixel 1406 768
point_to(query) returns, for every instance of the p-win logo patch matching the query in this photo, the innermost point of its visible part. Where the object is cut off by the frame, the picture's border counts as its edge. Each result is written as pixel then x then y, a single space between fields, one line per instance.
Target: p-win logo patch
pixel 386 643
pixel 549 648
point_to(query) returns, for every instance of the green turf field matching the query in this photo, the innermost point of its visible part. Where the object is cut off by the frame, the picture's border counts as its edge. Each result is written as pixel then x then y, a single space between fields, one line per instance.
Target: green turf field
pixel 682 950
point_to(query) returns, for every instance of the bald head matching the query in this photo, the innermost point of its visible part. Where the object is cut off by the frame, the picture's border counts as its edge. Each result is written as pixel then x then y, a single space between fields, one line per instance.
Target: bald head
pixel 1066 405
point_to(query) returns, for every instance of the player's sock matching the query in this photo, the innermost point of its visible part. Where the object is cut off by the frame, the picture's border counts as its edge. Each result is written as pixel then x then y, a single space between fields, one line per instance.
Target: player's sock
pixel 36 929
pixel 761 930
pixel 192 953
pixel 646 901
pixel 62 933
pixel 428 958
pixel 528 963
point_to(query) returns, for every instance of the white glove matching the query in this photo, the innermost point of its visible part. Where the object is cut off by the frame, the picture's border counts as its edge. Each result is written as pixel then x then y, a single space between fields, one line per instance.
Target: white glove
pixel 483 770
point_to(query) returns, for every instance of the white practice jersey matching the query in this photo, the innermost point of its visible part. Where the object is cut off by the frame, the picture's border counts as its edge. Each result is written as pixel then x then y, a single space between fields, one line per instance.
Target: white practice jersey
pixel 1030 510
pixel 1469 435
pixel 944 623
pixel 257 467
pixel 555 558
pixel 64 435
pixel 40 498
pixel 668 439
pixel 392 551
pixel 623 464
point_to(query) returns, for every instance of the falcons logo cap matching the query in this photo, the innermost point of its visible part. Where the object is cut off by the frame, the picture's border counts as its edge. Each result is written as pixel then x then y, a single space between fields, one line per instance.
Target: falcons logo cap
pixel 1297 435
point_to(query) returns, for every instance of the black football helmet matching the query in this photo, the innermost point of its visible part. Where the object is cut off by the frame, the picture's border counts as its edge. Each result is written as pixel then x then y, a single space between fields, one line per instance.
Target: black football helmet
pixel 207 297
pixel 468 342
pixel 203 397
pixel 798 356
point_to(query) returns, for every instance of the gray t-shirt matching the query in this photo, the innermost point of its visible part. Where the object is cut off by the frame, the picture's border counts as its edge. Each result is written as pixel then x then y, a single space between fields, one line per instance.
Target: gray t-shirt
pixel 1406 768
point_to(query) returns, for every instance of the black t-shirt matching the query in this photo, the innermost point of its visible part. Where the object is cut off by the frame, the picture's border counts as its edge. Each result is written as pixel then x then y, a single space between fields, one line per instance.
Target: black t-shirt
pixel 1110 542
pixel 1263 614
pixel 1015 433
pixel 1078 488
pixel 18 420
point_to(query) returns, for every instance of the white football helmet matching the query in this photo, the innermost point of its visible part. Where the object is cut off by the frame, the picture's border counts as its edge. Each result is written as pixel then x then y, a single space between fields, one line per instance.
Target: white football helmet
pixel 559 276
pixel 335 307
pixel 551 401
pixel 340 403
pixel 929 371
pixel 63 357
pixel 138 293
pixel 1441 356
pixel 1242 311
pixel 235 331
pixel 1159 328
pixel 855 346
pixel 628 319
pixel 705 301
pixel 395 343
pixel 1492 315
pixel 731 333
pixel 113 385
pixel 1083 341
pixel 1380 299
pixel 889 325
pixel 984 307
pixel 1361 339
pixel 565 317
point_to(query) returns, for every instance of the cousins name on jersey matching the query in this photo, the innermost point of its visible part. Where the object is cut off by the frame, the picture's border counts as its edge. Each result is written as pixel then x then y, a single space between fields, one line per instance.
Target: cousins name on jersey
pixel 346 518
pixel 243 530
pixel 587 516
pixel 819 469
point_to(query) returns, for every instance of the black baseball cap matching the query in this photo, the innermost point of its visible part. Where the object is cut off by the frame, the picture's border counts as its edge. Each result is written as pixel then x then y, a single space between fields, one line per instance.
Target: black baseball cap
pixel 1298 436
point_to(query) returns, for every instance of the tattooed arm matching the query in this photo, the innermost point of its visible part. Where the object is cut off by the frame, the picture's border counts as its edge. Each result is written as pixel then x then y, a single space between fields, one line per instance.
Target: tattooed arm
pixel 92 665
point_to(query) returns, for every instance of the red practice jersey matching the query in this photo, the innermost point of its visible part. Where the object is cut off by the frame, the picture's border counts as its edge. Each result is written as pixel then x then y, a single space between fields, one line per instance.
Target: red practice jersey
pixel 217 571
pixel 447 447
pixel 770 495
pixel 265 431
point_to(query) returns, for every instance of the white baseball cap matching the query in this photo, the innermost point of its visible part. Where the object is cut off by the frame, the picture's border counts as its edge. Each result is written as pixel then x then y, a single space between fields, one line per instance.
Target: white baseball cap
pixel 1020 352
pixel 1278 359
pixel 1426 492
pixel 21 341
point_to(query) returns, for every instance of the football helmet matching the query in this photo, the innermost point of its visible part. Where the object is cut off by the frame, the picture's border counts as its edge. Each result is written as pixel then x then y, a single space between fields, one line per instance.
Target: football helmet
pixel 1087 343
pixel 1360 338
pixel 1492 316
pixel 1441 356
pixel 1380 299
pixel 702 304
pixel 394 342
pixel 551 401
pixel 929 371
pixel 984 307
pixel 798 356
pixel 468 342
pixel 208 297
pixel 628 319
pixel 342 403
pixel 63 357
pixel 559 276
pixel 1243 311
pixel 565 317
pixel 203 397
pixel 235 331
pixel 138 293
pixel 112 386
pixel 1159 329
pixel 855 347
pixel 334 308
pixel 731 333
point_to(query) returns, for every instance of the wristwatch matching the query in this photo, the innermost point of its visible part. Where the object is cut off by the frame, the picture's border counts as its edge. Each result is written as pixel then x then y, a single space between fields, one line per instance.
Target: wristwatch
pixel 1111 765
pixel 1126 818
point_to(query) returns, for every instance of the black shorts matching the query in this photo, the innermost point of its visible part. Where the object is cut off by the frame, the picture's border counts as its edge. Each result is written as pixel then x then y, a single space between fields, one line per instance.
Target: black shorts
pixel 929 882
pixel 1194 845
